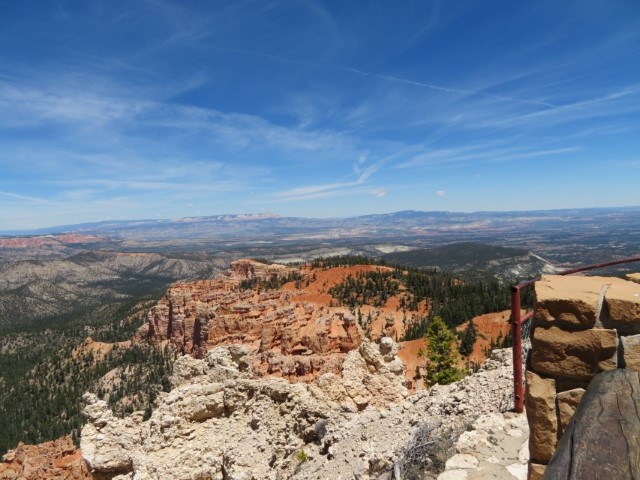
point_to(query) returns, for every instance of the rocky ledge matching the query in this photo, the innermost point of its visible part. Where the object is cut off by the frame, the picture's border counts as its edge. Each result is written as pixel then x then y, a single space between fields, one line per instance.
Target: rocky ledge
pixel 218 423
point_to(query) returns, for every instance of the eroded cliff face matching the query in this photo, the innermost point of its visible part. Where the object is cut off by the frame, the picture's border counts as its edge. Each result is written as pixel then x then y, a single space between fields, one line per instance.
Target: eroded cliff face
pixel 294 339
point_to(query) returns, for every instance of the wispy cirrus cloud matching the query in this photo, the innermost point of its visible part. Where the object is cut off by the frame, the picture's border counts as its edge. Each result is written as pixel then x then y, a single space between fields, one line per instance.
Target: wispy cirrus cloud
pixel 24 106
pixel 27 198
pixel 447 89
pixel 322 190
pixel 472 153
pixel 357 185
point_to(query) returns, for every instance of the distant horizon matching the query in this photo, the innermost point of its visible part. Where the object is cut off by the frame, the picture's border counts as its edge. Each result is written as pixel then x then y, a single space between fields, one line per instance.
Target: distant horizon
pixel 273 215
pixel 318 109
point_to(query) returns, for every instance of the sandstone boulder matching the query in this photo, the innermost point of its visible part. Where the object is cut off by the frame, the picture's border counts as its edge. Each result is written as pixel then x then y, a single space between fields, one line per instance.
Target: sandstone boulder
pixel 622 306
pixel 462 460
pixel 333 388
pixel 567 404
pixel 631 352
pixel 568 299
pixel 578 355
pixel 540 402
pixel 185 368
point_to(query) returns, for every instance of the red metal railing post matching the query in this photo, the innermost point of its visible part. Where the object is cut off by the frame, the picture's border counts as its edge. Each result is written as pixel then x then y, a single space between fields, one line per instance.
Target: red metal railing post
pixel 516 339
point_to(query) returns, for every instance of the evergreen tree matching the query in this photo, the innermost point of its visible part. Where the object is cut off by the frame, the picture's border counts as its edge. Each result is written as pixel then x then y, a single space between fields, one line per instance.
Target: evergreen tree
pixel 468 339
pixel 442 356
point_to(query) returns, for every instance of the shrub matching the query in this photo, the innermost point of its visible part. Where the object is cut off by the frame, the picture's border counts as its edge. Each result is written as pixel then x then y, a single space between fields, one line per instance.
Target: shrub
pixel 302 456
pixel 427 451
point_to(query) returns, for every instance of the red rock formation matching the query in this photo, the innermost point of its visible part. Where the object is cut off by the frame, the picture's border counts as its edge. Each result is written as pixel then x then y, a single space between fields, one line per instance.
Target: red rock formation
pixel 58 459
pixel 293 339
pixel 295 331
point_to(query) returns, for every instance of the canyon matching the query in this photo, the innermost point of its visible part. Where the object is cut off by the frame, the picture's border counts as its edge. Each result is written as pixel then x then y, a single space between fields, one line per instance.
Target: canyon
pixel 269 381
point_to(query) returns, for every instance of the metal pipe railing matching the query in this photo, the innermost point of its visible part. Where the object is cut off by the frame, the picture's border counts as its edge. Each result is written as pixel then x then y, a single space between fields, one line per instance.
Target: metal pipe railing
pixel 517 319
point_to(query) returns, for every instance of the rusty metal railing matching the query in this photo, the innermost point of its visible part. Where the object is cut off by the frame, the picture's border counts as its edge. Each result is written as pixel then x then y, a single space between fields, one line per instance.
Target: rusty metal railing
pixel 517 319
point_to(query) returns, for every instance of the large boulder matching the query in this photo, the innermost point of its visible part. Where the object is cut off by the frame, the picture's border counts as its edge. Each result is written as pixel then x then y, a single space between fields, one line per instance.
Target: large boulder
pixel 108 443
pixel 373 375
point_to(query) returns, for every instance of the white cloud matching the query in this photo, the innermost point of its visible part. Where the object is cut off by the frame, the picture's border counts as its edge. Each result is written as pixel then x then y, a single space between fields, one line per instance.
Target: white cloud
pixel 378 192
pixel 441 193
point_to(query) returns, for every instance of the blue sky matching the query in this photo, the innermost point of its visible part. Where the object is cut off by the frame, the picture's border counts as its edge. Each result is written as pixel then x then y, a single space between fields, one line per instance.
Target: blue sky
pixel 159 109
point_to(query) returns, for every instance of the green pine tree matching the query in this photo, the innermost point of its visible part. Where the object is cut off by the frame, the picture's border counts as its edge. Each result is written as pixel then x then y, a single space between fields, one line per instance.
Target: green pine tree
pixel 442 356
pixel 468 339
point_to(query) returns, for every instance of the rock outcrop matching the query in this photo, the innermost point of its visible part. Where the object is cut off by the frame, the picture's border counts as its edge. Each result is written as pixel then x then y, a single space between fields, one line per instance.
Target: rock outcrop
pixel 298 330
pixel 581 326
pixel 58 459
pixel 218 423
pixel 296 340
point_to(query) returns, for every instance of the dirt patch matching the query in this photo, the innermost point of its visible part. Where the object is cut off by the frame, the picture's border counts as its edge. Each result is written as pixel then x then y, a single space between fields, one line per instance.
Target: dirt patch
pixel 490 327
pixel 98 350
pixel 408 353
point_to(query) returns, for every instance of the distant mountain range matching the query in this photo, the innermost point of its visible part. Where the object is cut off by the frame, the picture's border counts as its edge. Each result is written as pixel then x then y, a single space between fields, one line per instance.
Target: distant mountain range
pixel 405 224
pixel 560 238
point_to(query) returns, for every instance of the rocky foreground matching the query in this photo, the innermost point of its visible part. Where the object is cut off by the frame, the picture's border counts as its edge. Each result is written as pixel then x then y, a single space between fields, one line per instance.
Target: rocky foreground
pixel 282 384
pixel 217 423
